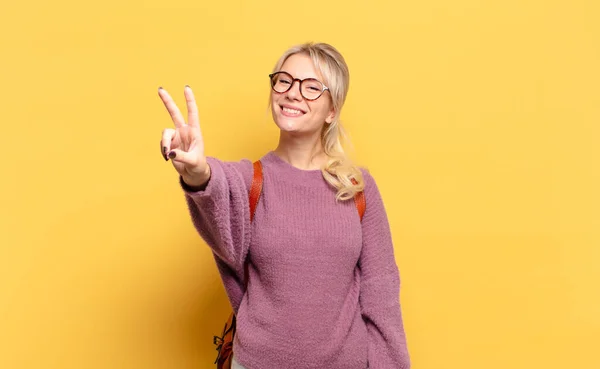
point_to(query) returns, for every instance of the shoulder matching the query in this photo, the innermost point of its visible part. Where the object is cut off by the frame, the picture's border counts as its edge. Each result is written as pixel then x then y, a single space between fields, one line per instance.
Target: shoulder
pixel 373 198
pixel 369 181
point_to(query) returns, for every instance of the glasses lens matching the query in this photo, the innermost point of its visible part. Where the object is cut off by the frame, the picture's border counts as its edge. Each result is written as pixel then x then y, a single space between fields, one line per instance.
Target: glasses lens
pixel 311 89
pixel 281 82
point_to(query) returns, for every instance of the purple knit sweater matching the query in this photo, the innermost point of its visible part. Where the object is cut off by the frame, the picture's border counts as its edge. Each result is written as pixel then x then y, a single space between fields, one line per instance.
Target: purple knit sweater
pixel 323 289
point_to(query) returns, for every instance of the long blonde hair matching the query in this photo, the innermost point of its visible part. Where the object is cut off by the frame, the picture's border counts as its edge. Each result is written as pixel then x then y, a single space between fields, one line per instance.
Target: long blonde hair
pixel 339 171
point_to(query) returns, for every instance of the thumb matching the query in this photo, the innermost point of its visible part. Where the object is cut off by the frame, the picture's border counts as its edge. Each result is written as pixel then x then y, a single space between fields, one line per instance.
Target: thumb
pixel 186 158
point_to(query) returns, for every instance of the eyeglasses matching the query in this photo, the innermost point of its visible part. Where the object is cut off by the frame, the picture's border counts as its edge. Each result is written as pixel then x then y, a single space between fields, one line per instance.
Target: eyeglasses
pixel 310 88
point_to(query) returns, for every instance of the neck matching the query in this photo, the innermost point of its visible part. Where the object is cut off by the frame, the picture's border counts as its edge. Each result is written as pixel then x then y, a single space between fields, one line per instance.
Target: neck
pixel 302 152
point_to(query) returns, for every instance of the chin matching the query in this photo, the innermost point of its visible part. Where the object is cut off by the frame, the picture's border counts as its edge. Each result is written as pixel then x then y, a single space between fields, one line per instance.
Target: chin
pixel 289 125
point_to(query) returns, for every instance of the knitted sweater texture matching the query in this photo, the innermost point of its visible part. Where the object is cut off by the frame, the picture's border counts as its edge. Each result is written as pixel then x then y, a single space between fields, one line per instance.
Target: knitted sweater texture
pixel 323 287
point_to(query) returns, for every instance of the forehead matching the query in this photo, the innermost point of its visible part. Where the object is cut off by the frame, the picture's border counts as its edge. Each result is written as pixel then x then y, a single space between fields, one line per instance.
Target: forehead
pixel 301 66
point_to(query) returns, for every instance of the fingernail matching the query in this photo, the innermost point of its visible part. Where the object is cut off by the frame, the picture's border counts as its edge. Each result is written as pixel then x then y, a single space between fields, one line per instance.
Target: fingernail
pixel 188 86
pixel 162 151
pixel 172 155
pixel 160 87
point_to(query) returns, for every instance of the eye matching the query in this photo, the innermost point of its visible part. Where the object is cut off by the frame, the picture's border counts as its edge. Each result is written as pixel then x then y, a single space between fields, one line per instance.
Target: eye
pixel 313 86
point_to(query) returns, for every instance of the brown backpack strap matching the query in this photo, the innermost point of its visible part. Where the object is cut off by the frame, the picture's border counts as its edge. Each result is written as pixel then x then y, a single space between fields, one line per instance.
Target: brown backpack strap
pixel 255 188
pixel 254 195
pixel 360 201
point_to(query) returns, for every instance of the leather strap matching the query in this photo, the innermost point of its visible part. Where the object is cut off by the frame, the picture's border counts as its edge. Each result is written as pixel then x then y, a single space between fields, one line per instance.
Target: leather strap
pixel 255 192
pixel 360 201
pixel 256 188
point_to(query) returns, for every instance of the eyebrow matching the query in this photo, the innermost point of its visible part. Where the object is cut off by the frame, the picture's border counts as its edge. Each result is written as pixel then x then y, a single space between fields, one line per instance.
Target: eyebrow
pixel 317 78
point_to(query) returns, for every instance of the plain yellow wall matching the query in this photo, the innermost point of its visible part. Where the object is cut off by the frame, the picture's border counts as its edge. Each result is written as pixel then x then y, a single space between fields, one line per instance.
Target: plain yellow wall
pixel 479 120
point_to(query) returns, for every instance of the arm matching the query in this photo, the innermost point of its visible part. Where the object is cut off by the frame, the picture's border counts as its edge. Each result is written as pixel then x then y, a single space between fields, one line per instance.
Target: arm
pixel 380 287
pixel 220 211
pixel 216 191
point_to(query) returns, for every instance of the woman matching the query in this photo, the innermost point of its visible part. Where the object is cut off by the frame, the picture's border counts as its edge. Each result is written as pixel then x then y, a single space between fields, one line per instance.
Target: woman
pixel 323 286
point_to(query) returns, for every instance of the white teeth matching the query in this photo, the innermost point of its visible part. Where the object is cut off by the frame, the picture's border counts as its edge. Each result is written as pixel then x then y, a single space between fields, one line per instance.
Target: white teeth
pixel 291 111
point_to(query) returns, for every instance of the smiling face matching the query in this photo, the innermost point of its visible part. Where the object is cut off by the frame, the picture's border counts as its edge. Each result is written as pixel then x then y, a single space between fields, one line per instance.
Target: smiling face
pixel 291 111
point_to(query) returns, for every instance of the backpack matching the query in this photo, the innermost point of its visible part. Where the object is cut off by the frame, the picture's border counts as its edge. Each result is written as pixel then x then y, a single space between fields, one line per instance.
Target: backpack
pixel 224 342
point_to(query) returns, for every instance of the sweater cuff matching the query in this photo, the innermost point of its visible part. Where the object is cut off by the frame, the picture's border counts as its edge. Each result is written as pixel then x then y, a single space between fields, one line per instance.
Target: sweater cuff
pixel 215 186
pixel 189 189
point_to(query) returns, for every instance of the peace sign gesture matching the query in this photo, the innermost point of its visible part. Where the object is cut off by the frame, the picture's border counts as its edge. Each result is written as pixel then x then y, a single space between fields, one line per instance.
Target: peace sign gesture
pixel 184 144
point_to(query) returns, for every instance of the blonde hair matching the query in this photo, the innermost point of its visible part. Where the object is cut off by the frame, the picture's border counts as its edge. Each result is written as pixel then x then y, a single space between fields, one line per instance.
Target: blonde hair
pixel 339 171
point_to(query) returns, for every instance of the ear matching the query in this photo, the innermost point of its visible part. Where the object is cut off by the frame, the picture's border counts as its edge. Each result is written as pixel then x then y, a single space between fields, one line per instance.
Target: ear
pixel 330 116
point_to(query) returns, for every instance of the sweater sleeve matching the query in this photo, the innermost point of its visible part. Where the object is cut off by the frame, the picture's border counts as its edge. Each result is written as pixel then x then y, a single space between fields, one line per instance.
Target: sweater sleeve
pixel 380 287
pixel 221 211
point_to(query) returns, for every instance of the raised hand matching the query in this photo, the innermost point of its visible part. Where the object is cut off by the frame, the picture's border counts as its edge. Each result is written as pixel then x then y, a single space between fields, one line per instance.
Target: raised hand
pixel 184 144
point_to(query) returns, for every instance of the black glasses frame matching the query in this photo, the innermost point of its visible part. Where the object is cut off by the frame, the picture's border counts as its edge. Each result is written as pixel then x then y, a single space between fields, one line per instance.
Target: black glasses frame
pixel 300 81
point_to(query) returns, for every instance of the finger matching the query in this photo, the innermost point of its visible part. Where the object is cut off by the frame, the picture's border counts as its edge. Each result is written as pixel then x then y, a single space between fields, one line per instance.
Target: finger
pixel 171 107
pixel 183 157
pixel 165 143
pixel 192 108
pixel 163 150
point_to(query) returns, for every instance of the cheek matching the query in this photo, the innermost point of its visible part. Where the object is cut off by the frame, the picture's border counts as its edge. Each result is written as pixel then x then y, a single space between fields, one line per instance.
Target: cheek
pixel 319 109
pixel 274 104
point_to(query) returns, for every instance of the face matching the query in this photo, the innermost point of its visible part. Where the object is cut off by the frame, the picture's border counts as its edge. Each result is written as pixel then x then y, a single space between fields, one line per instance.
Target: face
pixel 292 112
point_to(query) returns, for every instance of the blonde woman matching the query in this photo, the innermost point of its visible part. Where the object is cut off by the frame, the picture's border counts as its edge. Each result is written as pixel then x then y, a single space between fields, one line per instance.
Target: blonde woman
pixel 322 283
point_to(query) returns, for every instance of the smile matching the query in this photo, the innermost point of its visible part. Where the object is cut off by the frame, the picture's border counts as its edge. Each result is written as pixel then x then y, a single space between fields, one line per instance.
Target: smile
pixel 291 112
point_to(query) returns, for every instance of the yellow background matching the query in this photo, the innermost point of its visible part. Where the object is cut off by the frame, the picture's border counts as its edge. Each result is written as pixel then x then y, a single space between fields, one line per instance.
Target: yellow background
pixel 479 120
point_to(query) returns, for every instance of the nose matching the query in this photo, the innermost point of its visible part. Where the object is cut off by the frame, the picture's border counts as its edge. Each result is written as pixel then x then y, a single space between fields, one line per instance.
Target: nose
pixel 294 92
